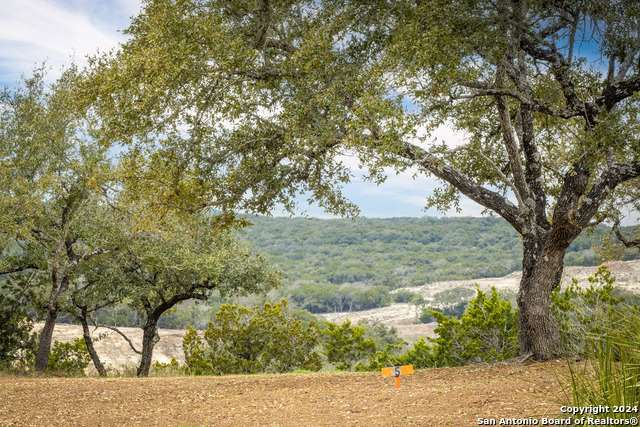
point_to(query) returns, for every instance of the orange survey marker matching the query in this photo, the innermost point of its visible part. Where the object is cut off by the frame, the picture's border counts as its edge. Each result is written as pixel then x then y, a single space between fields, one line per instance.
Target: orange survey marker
pixel 396 371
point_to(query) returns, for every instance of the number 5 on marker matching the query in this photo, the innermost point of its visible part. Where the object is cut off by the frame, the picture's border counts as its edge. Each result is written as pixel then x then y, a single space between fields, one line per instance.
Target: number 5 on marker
pixel 396 371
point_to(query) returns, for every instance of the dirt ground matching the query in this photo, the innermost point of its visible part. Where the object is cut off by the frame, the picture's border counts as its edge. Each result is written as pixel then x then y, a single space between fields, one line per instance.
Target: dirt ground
pixel 436 397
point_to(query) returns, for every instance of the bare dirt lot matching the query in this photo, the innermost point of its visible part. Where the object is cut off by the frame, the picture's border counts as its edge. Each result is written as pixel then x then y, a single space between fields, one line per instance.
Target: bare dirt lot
pixel 436 397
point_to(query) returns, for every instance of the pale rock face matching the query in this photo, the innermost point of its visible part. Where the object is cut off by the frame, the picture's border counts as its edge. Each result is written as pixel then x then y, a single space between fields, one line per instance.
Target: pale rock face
pixel 401 316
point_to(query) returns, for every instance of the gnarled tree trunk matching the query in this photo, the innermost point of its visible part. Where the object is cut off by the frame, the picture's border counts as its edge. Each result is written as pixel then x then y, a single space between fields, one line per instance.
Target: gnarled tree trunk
pixel 149 339
pixel 89 342
pixel 538 331
pixel 44 345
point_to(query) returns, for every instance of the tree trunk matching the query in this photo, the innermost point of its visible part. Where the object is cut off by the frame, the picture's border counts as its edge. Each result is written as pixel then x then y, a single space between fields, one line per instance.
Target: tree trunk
pixel 149 339
pixel 538 330
pixel 89 342
pixel 44 345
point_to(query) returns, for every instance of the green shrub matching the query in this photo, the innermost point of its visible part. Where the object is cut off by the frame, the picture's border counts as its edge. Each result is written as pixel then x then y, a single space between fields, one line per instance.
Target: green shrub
pixel 487 332
pixel 610 374
pixel 71 359
pixel 17 341
pixel 170 369
pixel 420 356
pixel 196 362
pixel 346 346
pixel 605 330
pixel 403 296
pixel 582 312
pixel 243 340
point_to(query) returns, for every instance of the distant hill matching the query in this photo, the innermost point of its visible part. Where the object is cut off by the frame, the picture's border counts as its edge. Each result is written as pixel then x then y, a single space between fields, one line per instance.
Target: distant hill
pixel 397 252
pixel 340 265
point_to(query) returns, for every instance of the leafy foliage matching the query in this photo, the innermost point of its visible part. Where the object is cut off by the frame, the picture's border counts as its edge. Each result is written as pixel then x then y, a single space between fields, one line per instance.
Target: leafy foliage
pixel 346 345
pixel 420 356
pixel 180 259
pixel 69 358
pixel 17 342
pixel 396 252
pixel 610 373
pixel 344 265
pixel 52 175
pixel 172 368
pixel 585 312
pixel 244 340
pixel 551 141
pixel 487 332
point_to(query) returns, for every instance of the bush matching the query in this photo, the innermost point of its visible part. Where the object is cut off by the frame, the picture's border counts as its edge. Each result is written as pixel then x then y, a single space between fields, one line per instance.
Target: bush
pixel 585 312
pixel 357 347
pixel 249 341
pixel 487 332
pixel 170 369
pixel 420 356
pixel 346 345
pixel 605 331
pixel 404 296
pixel 17 342
pixel 610 375
pixel 71 359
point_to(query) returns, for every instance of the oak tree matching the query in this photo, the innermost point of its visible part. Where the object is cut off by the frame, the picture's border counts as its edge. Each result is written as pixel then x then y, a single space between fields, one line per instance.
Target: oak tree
pixel 181 258
pixel 51 177
pixel 246 104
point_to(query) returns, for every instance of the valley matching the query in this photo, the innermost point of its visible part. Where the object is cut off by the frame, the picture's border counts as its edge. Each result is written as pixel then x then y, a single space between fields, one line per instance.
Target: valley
pixel 116 353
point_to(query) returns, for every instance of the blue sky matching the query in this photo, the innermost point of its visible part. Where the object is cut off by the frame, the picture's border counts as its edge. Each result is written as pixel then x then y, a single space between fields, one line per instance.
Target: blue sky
pixel 55 31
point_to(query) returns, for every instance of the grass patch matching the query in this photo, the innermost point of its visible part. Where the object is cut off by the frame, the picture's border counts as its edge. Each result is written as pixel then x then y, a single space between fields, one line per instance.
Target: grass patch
pixel 610 372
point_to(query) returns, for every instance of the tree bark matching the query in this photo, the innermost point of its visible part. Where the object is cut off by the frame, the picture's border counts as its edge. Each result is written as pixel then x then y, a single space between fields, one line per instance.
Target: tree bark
pixel 149 339
pixel 150 329
pixel 89 342
pixel 44 346
pixel 543 264
pixel 538 331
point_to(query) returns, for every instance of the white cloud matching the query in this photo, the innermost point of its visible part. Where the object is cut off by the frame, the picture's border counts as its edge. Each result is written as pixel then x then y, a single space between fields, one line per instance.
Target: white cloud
pixel 33 31
pixel 129 7
pixel 54 29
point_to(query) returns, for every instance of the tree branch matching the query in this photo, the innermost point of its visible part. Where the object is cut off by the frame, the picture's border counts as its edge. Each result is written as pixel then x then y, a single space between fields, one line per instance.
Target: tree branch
pixel 487 198
pixel 521 189
pixel 627 243
pixel 627 62
pixel 18 269
pixel 560 69
pixel 615 174
pixel 615 93
pixel 126 338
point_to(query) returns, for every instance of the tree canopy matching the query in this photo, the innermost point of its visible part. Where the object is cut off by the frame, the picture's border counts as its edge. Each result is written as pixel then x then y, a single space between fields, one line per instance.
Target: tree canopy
pixel 69 237
pixel 52 174
pixel 184 258
pixel 243 105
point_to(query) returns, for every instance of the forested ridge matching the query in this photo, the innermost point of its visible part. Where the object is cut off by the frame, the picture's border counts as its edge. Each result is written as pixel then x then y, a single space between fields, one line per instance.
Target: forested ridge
pixel 397 252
